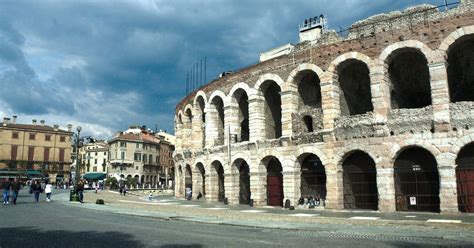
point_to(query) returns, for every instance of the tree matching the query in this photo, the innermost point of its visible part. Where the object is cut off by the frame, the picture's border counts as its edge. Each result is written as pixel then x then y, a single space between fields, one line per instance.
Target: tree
pixel 111 182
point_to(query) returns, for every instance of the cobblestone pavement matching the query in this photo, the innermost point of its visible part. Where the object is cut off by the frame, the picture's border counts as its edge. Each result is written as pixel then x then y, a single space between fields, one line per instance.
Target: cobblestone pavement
pixel 427 225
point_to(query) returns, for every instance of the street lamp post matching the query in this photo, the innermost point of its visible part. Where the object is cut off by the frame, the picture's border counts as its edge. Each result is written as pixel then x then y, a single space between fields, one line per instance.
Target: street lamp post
pixel 78 176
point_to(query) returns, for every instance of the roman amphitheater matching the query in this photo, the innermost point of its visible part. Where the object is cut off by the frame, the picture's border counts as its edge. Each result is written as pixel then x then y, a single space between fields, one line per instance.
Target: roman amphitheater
pixel 378 118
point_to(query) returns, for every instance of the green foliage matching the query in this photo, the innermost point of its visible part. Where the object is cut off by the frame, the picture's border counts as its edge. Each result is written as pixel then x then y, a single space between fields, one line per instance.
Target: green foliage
pixel 132 182
pixel 111 182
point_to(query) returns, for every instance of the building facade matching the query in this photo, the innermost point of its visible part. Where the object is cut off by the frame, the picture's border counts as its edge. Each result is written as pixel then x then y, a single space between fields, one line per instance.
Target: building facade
pixel 380 119
pixel 94 157
pixel 137 153
pixel 37 148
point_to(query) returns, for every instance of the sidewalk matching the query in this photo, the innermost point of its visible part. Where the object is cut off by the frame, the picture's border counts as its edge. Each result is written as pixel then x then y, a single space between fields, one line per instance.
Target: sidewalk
pixel 408 225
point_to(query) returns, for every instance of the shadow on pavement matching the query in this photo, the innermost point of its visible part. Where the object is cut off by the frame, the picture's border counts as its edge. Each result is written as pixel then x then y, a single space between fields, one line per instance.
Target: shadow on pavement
pixel 33 237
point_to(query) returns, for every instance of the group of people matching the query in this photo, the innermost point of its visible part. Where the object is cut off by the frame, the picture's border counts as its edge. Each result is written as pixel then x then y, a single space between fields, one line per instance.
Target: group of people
pixel 310 201
pixel 123 189
pixel 8 186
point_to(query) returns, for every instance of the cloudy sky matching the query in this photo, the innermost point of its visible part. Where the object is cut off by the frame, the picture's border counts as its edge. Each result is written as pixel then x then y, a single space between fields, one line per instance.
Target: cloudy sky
pixel 107 64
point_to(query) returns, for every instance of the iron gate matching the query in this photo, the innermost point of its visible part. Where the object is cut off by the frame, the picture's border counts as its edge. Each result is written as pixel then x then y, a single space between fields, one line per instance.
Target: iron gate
pixel 360 182
pixel 244 192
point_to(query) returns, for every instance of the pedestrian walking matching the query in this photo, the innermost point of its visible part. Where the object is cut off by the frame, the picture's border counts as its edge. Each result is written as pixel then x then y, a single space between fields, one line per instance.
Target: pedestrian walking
pixel 15 189
pixel 96 187
pixel 36 189
pixel 6 191
pixel 48 189
pixel 125 190
pixel 80 190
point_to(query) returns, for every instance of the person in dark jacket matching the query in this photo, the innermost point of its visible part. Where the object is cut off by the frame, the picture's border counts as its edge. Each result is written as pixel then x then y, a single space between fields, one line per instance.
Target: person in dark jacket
pixel 6 191
pixel 80 190
pixel 36 189
pixel 15 188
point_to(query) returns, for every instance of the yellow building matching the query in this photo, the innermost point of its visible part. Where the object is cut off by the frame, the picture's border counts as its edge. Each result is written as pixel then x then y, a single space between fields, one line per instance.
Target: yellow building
pixel 35 150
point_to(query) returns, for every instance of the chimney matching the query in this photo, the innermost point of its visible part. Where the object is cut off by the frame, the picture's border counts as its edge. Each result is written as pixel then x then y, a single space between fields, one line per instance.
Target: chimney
pixel 14 119
pixel 42 122
pixel 34 121
pixel 56 127
pixel 69 127
pixel 6 121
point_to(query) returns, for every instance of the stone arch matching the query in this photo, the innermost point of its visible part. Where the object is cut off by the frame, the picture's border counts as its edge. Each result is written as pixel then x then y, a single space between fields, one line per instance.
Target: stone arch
pixel 219 159
pixel 267 153
pixel 407 74
pixel 415 44
pixel 404 145
pixel 461 142
pixel 238 121
pixel 464 175
pixel 215 94
pixel 311 179
pixel 458 50
pixel 274 178
pixel 243 86
pixel 349 150
pixel 351 74
pixel 215 118
pixel 180 116
pixel 200 179
pixel 217 177
pixel 291 82
pixel 268 77
pixel 310 149
pixel 200 94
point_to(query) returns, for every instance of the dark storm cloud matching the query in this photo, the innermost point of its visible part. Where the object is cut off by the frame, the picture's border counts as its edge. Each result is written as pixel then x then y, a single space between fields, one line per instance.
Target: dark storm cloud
pixel 108 64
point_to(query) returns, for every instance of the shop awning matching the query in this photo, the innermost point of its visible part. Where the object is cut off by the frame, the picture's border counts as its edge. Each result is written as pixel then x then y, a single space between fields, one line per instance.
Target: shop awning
pixel 11 174
pixel 34 174
pixel 95 176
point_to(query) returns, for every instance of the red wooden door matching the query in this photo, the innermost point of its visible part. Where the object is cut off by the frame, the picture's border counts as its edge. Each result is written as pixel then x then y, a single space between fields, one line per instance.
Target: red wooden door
pixel 274 190
pixel 465 181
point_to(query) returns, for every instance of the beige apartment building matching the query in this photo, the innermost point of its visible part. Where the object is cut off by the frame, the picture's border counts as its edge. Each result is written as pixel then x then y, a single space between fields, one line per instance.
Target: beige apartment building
pixel 35 150
pixel 94 157
pixel 137 153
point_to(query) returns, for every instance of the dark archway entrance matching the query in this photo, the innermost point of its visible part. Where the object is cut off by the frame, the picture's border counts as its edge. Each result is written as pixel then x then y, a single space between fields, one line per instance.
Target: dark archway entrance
pixel 272 109
pixel 360 182
pixel 201 105
pixel 244 183
pixel 188 180
pixel 354 80
pixel 274 182
pixel 217 104
pixel 220 180
pixel 313 177
pixel 202 178
pixel 410 79
pixel 416 181
pixel 461 69
pixel 243 117
pixel 465 178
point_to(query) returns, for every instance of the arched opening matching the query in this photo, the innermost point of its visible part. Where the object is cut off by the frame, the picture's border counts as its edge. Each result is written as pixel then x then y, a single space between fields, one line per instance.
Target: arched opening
pixel 201 104
pixel 410 79
pixel 272 109
pixel 360 182
pixel 189 118
pixel 308 123
pixel 244 182
pixel 217 106
pixel 142 180
pixel 309 89
pixel 274 181
pixel 461 69
pixel 313 177
pixel 219 171
pixel 188 181
pixel 416 181
pixel 243 118
pixel 354 81
pixel 201 180
pixel 136 177
pixel 465 178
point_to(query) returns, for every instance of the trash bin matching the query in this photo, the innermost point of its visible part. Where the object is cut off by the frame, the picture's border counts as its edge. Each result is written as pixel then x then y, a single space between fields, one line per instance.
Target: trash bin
pixel 73 196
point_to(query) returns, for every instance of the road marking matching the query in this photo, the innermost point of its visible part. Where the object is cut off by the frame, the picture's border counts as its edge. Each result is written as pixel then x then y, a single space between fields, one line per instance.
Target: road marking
pixel 189 206
pixel 216 208
pixel 253 211
pixel 114 192
pixel 410 216
pixel 364 218
pixel 303 215
pixel 444 221
pixel 267 207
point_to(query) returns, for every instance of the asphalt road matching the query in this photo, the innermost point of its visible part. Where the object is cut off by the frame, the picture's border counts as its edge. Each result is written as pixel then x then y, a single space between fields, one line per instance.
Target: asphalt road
pixel 30 224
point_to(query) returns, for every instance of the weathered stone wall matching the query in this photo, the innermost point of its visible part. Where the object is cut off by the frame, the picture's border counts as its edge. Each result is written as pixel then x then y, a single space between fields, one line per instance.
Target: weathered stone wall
pixel 442 128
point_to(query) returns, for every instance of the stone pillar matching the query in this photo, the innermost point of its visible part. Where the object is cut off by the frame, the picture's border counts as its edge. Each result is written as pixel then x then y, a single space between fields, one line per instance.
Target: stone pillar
pixel 256 118
pixel 211 126
pixel 179 142
pixel 229 185
pixel 380 92
pixel 447 181
pixel 330 100
pixel 289 106
pixel 334 187
pixel 386 189
pixel 197 130
pixel 231 122
pixel 440 94
pixel 290 178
